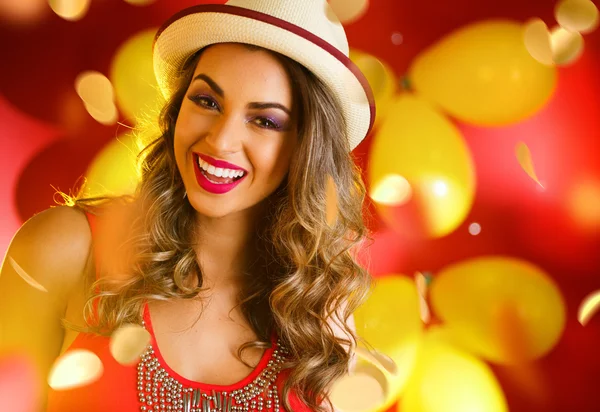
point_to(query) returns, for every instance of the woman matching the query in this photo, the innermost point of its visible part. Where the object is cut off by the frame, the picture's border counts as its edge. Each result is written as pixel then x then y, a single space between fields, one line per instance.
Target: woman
pixel 224 253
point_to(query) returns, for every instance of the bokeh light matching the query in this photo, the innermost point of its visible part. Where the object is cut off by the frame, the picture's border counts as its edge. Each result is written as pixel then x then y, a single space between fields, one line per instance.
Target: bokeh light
pixel 440 188
pixel 537 41
pixel 583 203
pixel 474 229
pixel 19 389
pixel 75 368
pixel 484 89
pixel 129 342
pixel 23 12
pixel 567 46
pixel 360 391
pixel 71 10
pixel 392 190
pixel 390 322
pixel 381 78
pixel 132 76
pixel 397 38
pixel 418 143
pixel 114 169
pixel 476 296
pixel 446 376
pixel 97 94
pixel 347 11
pixel 577 15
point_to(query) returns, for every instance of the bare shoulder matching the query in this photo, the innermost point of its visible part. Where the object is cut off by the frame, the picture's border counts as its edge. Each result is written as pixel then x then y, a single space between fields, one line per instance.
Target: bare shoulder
pixel 53 246
pixel 45 261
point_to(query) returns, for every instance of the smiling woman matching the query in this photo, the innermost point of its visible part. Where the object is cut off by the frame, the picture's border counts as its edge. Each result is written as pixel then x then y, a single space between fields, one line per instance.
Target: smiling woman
pixel 240 115
pixel 224 253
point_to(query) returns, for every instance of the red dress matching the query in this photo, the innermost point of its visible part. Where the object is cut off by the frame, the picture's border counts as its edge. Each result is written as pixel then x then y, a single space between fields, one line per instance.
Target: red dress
pixel 151 383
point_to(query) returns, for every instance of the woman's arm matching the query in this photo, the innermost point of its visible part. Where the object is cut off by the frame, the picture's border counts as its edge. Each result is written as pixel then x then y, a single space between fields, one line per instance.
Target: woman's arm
pixel 45 260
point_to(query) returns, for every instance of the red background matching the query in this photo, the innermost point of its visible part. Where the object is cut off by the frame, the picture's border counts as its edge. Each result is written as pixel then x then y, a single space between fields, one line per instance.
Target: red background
pixel 47 140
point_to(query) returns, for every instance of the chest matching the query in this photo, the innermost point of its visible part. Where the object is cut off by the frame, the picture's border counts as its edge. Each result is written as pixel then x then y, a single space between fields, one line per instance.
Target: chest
pixel 198 348
pixel 201 344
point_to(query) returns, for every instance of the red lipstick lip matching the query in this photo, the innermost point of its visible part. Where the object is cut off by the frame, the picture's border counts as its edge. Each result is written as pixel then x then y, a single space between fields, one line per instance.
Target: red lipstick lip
pixel 211 187
pixel 219 163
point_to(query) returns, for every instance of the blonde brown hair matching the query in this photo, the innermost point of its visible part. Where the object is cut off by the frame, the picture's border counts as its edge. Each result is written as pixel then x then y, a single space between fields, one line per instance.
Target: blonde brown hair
pixel 304 274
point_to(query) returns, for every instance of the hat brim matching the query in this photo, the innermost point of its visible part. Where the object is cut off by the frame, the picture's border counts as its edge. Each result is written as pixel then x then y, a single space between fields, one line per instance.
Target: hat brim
pixel 197 27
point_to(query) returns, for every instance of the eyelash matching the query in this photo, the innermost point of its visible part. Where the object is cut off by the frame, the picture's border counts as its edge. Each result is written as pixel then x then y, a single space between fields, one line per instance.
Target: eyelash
pixel 200 98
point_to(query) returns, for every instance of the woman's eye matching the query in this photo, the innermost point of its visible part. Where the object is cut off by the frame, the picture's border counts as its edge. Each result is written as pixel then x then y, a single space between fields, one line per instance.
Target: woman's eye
pixel 205 101
pixel 267 123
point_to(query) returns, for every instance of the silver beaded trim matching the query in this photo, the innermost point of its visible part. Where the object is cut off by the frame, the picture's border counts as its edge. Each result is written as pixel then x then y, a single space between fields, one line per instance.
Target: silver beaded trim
pixel 158 391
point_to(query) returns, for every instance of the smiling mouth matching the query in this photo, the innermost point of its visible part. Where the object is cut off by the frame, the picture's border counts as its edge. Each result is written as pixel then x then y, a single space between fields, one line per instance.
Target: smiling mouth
pixel 219 175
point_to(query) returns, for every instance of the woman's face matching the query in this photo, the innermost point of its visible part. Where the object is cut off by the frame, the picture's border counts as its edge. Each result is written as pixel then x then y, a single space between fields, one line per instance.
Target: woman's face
pixel 236 130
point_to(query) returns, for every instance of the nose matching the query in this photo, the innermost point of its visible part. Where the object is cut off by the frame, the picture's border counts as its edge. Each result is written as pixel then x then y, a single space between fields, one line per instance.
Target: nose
pixel 226 134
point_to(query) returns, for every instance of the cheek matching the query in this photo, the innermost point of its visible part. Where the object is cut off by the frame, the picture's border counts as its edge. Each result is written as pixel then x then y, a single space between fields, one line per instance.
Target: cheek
pixel 187 129
pixel 274 160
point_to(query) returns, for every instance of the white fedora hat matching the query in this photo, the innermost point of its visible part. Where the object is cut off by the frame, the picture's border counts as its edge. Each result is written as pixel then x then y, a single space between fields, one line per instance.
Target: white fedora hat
pixel 305 30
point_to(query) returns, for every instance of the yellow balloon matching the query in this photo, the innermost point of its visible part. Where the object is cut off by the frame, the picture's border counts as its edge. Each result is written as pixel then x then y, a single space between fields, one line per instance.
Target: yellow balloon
pixel 389 321
pixel 421 145
pixel 483 74
pixel 503 309
pixel 114 170
pixel 446 378
pixel 132 75
pixel 381 78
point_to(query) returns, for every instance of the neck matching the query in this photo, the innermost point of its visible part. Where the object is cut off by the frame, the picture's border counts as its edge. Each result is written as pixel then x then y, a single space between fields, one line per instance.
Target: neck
pixel 223 248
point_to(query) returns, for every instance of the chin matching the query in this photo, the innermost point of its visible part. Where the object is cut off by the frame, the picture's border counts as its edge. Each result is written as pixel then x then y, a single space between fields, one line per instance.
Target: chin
pixel 218 211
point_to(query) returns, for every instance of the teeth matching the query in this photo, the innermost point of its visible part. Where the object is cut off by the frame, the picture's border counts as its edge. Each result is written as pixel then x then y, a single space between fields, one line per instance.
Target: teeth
pixel 219 171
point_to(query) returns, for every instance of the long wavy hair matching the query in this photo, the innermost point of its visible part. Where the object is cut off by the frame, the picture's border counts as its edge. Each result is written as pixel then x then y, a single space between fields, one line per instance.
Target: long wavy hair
pixel 304 275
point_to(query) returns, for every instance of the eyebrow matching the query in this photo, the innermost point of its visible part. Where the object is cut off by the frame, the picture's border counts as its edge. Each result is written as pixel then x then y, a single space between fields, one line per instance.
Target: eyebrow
pixel 254 105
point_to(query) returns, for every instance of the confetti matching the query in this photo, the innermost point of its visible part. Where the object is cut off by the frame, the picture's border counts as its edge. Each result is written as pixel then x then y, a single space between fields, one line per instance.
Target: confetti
pixel 588 307
pixel 422 286
pixel 524 158
pixel 331 209
pixel 25 276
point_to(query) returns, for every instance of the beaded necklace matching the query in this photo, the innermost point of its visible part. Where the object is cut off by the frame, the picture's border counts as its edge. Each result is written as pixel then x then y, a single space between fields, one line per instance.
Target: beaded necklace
pixel 159 391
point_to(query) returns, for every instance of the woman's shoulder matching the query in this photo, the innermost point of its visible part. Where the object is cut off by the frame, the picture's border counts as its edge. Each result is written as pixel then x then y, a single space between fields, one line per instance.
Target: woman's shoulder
pixel 67 225
pixel 54 245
